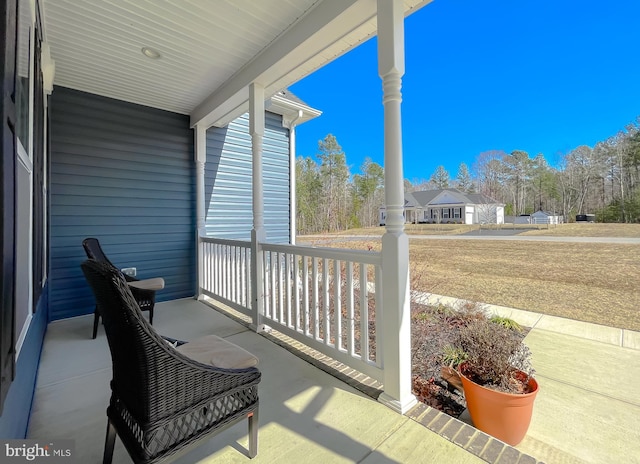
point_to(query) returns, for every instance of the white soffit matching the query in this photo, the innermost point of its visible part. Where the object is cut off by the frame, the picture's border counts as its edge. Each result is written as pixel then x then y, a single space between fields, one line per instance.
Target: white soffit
pixel 204 45
pixel 97 45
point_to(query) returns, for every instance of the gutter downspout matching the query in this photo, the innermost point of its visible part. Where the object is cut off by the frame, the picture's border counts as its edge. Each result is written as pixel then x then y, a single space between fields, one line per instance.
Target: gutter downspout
pixel 292 178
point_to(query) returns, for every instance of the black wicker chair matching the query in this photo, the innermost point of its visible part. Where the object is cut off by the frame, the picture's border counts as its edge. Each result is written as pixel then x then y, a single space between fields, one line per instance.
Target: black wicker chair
pixel 144 291
pixel 163 401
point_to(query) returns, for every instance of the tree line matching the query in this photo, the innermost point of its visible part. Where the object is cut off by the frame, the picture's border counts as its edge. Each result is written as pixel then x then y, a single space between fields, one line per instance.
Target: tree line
pixel 329 198
pixel 603 180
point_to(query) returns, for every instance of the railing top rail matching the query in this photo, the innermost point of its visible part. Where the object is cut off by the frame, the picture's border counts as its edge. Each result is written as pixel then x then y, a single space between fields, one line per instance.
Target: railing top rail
pixel 226 241
pixel 360 256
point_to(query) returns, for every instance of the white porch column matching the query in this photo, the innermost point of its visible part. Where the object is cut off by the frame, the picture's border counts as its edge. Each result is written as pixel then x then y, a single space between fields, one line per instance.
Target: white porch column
pixel 200 159
pixel 396 317
pixel 256 129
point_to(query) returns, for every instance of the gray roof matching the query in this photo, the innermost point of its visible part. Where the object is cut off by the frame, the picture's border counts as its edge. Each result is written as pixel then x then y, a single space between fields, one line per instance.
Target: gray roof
pixel 410 200
pixel 286 93
pixel 425 197
pixel 546 213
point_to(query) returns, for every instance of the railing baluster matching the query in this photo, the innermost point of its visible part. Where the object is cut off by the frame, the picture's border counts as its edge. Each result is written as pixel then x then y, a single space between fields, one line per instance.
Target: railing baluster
pixel 364 313
pixel 236 274
pixel 205 265
pixel 305 295
pixel 247 263
pixel 212 273
pixel 350 310
pixel 337 306
pixel 209 266
pixel 216 269
pixel 225 271
pixel 219 269
pixel 274 287
pixel 230 273
pixel 316 302
pixel 296 292
pixel 281 286
pixel 231 277
pixel 326 323
pixel 239 276
pixel 267 283
pixel 287 287
pixel 379 333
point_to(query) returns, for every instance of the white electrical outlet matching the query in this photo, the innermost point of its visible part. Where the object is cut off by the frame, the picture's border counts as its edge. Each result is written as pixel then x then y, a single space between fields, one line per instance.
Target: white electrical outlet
pixel 130 271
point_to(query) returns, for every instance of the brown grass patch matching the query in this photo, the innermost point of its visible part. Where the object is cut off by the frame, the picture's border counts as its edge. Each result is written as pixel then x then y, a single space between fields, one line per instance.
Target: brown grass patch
pixel 592 282
pixel 588 230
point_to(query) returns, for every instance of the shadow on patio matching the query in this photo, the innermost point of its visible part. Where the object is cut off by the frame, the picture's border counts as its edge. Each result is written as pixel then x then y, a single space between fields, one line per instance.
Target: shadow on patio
pixel 306 415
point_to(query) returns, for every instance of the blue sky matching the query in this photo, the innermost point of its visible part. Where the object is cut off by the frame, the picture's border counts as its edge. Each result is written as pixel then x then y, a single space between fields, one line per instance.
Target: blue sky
pixel 542 76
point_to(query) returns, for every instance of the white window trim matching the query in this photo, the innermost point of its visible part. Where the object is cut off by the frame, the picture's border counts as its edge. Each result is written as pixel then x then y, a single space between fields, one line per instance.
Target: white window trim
pixel 25 159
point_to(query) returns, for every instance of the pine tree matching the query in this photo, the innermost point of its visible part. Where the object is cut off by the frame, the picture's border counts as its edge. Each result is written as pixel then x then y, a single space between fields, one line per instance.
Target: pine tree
pixel 440 178
pixel 334 174
pixel 464 182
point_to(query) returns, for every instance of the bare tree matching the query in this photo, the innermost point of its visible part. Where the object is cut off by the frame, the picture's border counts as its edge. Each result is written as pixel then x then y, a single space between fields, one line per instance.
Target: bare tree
pixel 334 174
pixel 517 168
pixel 488 172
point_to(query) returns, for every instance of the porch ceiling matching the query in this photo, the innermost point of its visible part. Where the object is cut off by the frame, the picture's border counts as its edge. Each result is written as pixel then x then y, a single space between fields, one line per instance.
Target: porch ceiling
pixel 210 50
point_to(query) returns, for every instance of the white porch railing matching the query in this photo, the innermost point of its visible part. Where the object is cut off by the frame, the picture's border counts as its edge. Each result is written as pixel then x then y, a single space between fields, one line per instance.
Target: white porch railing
pixel 316 296
pixel 225 272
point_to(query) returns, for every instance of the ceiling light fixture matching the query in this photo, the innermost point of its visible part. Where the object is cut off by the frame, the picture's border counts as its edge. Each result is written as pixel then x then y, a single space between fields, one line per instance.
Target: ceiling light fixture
pixel 151 53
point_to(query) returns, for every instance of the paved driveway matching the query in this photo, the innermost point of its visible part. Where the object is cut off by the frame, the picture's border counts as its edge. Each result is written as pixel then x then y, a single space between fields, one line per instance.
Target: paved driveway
pixel 485 235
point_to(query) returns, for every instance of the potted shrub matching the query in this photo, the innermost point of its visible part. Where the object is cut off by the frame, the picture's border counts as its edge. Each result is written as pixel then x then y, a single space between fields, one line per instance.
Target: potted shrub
pixel 497 378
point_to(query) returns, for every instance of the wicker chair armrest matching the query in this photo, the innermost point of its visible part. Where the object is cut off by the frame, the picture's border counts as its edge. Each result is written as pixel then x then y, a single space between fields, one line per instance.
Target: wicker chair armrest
pixel 142 293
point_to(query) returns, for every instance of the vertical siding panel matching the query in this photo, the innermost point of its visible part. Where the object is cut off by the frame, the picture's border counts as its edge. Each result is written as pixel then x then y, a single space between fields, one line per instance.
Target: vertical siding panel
pixel 228 180
pixel 123 173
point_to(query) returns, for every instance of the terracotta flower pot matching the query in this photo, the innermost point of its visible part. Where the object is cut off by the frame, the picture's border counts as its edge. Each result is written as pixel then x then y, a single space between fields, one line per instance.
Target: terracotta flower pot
pixel 505 416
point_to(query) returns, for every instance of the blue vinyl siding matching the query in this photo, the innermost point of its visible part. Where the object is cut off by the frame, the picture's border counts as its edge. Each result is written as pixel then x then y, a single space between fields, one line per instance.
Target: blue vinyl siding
pixel 228 184
pixel 122 173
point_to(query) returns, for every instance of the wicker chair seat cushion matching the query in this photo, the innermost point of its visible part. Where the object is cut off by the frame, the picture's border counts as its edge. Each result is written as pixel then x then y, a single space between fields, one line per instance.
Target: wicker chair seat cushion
pixel 156 283
pixel 218 352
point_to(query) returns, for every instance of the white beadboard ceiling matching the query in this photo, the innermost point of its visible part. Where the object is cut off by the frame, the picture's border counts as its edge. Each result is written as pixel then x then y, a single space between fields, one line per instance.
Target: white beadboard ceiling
pixel 204 45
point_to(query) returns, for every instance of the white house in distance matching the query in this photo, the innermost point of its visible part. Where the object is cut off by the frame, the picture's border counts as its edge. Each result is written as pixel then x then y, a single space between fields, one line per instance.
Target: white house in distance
pixel 449 206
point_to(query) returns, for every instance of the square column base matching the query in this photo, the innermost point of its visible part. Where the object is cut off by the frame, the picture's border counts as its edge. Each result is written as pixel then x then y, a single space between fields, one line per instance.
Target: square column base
pixel 395 404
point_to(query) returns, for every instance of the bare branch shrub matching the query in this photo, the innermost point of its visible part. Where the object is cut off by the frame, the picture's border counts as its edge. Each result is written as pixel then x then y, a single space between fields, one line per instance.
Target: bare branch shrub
pixel 495 355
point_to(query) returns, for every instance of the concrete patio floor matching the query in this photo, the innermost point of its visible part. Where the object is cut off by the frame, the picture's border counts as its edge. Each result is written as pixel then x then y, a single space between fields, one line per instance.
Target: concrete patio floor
pixel 306 415
pixel 586 410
